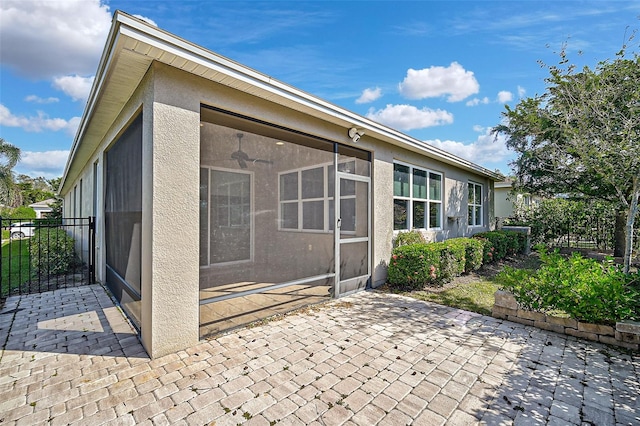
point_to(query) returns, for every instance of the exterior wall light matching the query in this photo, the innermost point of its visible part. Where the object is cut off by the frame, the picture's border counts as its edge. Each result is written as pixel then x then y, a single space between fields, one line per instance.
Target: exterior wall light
pixel 355 134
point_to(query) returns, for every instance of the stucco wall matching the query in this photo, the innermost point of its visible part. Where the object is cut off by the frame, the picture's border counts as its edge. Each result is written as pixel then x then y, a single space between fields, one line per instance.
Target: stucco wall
pixel 504 207
pixel 454 202
pixel 171 101
pixel 383 156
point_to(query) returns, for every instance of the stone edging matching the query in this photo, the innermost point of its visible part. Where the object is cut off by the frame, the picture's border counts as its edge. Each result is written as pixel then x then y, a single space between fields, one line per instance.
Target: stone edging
pixel 625 334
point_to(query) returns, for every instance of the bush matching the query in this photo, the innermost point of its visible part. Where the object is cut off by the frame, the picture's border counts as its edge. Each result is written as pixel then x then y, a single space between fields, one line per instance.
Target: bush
pixel 474 252
pixel 52 252
pixel 408 237
pixel 500 244
pixel 414 266
pixel 21 212
pixel 587 290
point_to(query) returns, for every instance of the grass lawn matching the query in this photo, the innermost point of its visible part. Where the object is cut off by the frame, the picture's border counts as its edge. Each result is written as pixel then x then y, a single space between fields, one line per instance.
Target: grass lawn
pixel 477 296
pixel 13 273
pixel 474 292
pixel 5 234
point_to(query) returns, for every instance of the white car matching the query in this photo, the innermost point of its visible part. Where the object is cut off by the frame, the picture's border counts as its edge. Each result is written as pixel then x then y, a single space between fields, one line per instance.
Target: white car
pixel 22 229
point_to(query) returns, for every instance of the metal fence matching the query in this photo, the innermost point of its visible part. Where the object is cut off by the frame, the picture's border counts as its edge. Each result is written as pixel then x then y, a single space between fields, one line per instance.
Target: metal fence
pixel 46 254
pixel 596 233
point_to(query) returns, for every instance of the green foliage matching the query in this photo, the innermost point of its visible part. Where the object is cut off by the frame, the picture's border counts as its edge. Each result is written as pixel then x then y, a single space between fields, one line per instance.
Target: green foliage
pixel 9 157
pixel 413 266
pixel 52 251
pixel 475 297
pixel 500 244
pixel 408 237
pixel 580 137
pixel 587 290
pixel 21 212
pixel 56 209
pixel 16 272
pixel 553 219
pixel 474 252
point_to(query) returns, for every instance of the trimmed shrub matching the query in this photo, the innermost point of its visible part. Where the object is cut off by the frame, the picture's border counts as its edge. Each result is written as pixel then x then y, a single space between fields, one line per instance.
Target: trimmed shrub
pixel 458 248
pixel 52 252
pixel 499 244
pixel 474 252
pixel 587 290
pixel 414 266
pixel 408 237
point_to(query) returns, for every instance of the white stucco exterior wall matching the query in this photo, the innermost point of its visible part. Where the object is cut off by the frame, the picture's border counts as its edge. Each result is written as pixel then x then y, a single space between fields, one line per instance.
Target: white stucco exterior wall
pixel 170 217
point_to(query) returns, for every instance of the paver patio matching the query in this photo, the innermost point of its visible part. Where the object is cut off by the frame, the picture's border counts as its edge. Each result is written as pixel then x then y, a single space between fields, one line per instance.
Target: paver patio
pixel 371 358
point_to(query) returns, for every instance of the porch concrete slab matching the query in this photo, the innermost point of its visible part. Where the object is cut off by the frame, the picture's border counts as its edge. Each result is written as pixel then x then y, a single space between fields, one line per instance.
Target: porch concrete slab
pixel 70 357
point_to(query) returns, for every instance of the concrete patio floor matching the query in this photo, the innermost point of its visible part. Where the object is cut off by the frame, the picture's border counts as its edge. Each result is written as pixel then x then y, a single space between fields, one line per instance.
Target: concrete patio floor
pixel 71 358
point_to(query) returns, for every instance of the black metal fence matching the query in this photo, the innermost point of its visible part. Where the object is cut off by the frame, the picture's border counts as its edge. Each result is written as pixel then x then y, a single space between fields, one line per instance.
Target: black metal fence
pixel 595 233
pixel 46 254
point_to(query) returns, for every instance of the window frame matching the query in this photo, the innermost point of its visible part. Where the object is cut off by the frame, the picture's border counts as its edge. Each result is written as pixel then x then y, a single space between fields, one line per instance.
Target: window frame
pixel 326 198
pixel 475 204
pixel 410 199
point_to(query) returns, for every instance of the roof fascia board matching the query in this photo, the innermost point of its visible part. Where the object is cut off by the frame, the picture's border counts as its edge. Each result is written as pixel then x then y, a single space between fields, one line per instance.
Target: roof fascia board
pixel 99 81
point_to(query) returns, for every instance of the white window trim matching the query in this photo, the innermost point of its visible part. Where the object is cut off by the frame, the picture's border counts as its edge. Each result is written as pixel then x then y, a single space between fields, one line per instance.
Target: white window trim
pixel 251 209
pixel 481 205
pixel 326 199
pixel 410 198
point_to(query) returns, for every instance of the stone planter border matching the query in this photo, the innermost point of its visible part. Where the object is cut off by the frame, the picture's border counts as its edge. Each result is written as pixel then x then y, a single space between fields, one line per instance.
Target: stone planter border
pixel 625 334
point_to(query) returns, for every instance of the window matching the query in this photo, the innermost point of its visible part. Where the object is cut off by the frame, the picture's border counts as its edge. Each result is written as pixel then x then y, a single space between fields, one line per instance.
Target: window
pixel 417 198
pixel 306 198
pixel 475 204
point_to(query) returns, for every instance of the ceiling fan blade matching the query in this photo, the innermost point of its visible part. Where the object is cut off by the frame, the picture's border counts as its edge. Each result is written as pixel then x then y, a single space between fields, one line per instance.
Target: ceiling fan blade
pixel 260 160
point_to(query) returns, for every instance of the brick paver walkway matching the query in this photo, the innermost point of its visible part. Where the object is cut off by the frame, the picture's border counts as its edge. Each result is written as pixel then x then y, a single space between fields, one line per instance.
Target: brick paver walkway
pixel 371 358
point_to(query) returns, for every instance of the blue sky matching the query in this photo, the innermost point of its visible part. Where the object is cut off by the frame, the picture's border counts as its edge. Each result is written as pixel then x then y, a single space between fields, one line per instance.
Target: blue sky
pixel 439 71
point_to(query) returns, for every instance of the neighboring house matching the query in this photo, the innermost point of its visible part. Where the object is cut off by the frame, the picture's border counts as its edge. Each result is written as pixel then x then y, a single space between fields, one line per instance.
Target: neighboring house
pixel 507 202
pixel 43 208
pixel 222 195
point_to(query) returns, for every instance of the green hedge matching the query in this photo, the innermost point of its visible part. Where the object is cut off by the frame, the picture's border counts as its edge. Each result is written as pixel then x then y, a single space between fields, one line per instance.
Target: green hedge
pixel 52 251
pixel 500 244
pixel 413 266
pixel 408 237
pixel 586 289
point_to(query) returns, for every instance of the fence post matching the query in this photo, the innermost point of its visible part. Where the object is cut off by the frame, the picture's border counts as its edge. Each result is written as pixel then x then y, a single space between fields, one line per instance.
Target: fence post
pixel 92 247
pixel 1 228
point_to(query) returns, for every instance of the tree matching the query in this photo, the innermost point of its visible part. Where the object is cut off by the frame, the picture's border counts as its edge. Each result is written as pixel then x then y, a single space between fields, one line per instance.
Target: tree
pixel 582 136
pixel 9 157
pixel 33 190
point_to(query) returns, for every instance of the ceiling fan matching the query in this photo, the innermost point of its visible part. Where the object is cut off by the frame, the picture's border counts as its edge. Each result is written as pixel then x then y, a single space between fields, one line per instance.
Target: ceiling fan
pixel 243 158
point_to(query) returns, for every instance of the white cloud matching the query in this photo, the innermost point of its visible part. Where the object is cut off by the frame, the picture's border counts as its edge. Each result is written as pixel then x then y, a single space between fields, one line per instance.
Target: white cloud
pixel 408 117
pixel 436 81
pixel 478 128
pixel 49 164
pixel 505 96
pixel 477 101
pixel 369 95
pixel 75 86
pixel 521 91
pixel 38 100
pixel 38 123
pixel 42 38
pixel 485 150
pixel 147 20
